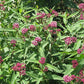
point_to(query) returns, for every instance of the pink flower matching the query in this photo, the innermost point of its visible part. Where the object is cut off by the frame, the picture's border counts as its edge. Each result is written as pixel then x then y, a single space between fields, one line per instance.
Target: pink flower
pixel 20 67
pixel 58 30
pixel 1 60
pixel 1 5
pixel 67 78
pixel 48 15
pixel 51 31
pixel 73 39
pixel 82 80
pixel 13 42
pixel 67 40
pixel 32 28
pixel 53 24
pixel 34 42
pixel 38 39
pixel 79 51
pixel 73 77
pixel 15 25
pixel 24 30
pixel 3 8
pixel 75 63
pixel 55 12
pixel 81 6
pixel 45 69
pixel 81 17
pixel 49 25
pixel 40 15
pixel 42 61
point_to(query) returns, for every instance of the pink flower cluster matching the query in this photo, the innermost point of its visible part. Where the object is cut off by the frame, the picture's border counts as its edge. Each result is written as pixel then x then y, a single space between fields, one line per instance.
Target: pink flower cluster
pixel 48 15
pixel 79 51
pixel 13 42
pixel 36 40
pixel 75 63
pixel 53 24
pixel 15 25
pixel 24 30
pixel 40 15
pixel 70 40
pixel 45 69
pixel 32 28
pixel 81 6
pixel 2 5
pixel 55 12
pixel 77 79
pixel 1 60
pixel 67 78
pixel 54 31
pixel 81 17
pixel 20 67
pixel 42 61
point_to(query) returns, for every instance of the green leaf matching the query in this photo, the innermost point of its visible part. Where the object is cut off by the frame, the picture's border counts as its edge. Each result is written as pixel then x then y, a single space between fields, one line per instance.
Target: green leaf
pixel 14 77
pixel 53 68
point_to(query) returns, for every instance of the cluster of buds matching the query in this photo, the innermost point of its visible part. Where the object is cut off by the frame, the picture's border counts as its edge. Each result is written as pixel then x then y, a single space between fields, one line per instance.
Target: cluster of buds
pixel 75 63
pixel 20 67
pixel 1 60
pixel 15 25
pixel 13 42
pixel 42 61
pixel 24 30
pixel 40 15
pixel 2 5
pixel 79 51
pixel 81 7
pixel 36 40
pixel 70 40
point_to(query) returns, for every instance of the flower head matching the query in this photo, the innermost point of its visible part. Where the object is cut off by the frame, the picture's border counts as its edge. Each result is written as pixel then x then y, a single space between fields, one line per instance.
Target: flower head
pixel 75 63
pixel 67 78
pixel 42 61
pixel 45 69
pixel 79 51
pixel 53 24
pixel 24 30
pixel 34 42
pixel 32 28
pixel 1 60
pixel 15 25
pixel 38 39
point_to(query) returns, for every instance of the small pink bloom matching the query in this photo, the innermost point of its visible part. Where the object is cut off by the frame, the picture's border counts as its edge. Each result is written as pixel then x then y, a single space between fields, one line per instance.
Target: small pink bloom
pixel 73 39
pixel 3 8
pixel 68 40
pixel 1 5
pixel 79 51
pixel 49 25
pixel 75 63
pixel 42 61
pixel 13 42
pixel 15 25
pixel 58 30
pixel 45 69
pixel 32 28
pixel 1 60
pixel 67 78
pixel 51 31
pixel 40 15
pixel 82 80
pixel 55 12
pixel 34 42
pixel 53 24
pixel 38 39
pixel 81 5
pixel 22 72
pixel 48 15
pixel 73 77
pixel 81 17
pixel 24 30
